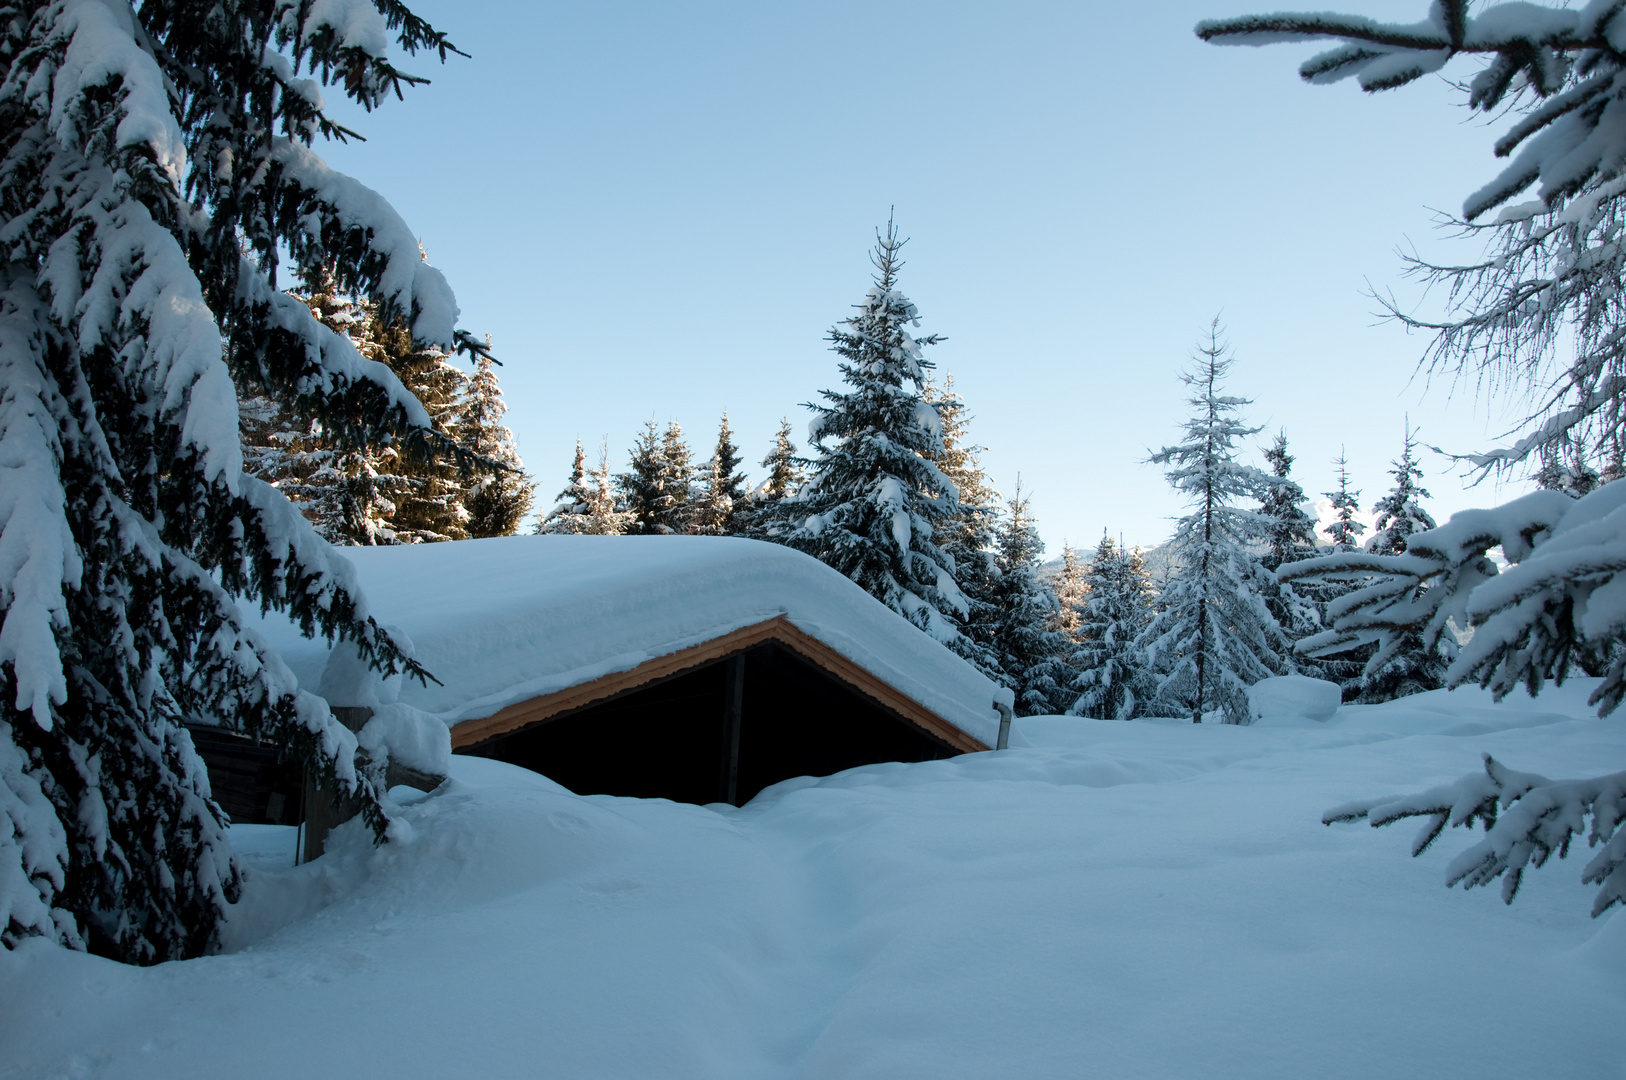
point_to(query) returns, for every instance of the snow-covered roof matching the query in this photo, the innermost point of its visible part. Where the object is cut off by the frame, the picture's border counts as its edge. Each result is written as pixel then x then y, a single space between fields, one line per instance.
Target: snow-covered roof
pixel 505 620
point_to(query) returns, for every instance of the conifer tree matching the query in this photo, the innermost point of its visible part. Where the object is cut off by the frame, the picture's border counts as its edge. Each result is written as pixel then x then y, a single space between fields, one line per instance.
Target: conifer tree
pixel 1289 536
pixel 1070 588
pixel 155 169
pixel 348 492
pixel 1344 668
pixel 497 500
pixel 570 509
pixel 719 507
pixel 640 485
pixel 1032 654
pixel 785 473
pixel 1289 532
pixel 1400 513
pixel 785 478
pixel 1112 675
pixel 875 497
pixel 1567 472
pixel 604 514
pixel 1412 664
pixel 1345 531
pixel 1212 635
pixel 969 536
pixel 429 505
pixel 674 503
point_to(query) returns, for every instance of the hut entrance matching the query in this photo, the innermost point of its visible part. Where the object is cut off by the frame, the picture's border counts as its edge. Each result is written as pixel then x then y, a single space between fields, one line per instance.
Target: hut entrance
pixel 720 731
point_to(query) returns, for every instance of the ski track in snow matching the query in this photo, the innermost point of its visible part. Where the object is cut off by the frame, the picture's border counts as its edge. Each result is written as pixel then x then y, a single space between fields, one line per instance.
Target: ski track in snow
pixel 1121 900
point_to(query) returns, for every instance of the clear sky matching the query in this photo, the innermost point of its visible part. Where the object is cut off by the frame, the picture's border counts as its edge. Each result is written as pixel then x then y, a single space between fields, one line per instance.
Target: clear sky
pixel 659 210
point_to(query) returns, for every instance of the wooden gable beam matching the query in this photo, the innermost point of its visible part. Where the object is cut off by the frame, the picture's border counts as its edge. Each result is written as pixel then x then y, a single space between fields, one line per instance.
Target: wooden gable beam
pixel 779 629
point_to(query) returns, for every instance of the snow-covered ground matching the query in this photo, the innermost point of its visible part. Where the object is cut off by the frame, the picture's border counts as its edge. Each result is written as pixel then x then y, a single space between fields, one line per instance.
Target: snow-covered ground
pixel 1119 900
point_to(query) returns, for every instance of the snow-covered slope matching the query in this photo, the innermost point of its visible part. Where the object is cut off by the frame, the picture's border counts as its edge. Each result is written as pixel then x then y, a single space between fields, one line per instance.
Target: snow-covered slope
pixel 499 621
pixel 1121 900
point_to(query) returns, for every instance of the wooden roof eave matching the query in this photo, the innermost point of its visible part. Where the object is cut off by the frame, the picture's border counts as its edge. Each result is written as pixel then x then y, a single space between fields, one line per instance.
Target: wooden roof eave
pixel 779 629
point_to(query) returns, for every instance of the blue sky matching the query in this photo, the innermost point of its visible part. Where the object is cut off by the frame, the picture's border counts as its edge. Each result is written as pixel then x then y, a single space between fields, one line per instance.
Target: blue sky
pixel 658 210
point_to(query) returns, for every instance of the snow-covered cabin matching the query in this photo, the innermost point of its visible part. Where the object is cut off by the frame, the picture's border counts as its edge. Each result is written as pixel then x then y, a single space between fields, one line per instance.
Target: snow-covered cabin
pixel 699 669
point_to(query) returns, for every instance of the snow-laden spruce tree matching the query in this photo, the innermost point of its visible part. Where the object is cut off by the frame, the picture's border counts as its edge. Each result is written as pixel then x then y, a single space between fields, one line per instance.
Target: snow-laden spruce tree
pixel 1032 654
pixel 569 513
pixel 588 506
pixel 347 491
pixel 969 537
pixel 785 478
pixel 1289 536
pixel 641 485
pixel 674 505
pixel 497 501
pixel 655 489
pixel 156 169
pixel 430 507
pixel 1070 588
pixel 1407 663
pixel 1345 529
pixel 875 496
pixel 1288 532
pixel 1112 674
pixel 1400 513
pixel 1212 635
pixel 719 504
pixel 785 472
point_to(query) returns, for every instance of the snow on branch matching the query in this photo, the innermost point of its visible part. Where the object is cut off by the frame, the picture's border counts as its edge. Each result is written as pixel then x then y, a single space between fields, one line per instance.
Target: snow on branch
pixel 101 50
pixel 333 357
pixel 1562 603
pixel 38 555
pixel 346 218
pixel 1527 818
pixel 1572 137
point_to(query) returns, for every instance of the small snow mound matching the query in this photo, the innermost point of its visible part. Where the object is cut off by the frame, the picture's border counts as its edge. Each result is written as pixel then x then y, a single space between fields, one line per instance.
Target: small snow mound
pixel 1293 695
pixel 410 737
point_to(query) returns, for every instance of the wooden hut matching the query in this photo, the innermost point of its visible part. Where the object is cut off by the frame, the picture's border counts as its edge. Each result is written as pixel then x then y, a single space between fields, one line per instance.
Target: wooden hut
pixel 698 669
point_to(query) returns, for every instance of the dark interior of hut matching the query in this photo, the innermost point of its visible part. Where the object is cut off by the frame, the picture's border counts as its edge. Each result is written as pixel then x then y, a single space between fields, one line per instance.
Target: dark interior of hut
pixel 675 739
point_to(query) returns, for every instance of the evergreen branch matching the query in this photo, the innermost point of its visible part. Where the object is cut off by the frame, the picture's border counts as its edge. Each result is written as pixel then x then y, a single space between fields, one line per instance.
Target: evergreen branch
pixel 1527 819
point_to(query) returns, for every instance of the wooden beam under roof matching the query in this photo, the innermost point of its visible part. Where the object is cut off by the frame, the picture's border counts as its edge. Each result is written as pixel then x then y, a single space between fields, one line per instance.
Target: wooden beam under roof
pixel 779 629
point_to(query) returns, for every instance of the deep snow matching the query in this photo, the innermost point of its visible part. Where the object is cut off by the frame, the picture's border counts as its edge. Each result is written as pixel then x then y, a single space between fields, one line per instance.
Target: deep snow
pixel 1119 900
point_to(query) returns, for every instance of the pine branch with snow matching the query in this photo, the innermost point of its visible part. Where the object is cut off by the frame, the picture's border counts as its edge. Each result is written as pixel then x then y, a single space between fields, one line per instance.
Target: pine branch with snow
pixel 1527 819
pixel 1556 608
